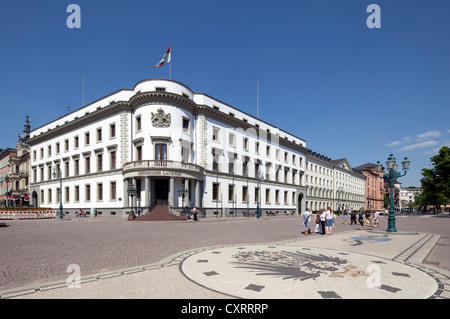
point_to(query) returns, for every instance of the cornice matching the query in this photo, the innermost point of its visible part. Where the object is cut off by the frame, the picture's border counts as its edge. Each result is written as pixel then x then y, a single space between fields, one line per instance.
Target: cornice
pixel 86 119
pixel 140 99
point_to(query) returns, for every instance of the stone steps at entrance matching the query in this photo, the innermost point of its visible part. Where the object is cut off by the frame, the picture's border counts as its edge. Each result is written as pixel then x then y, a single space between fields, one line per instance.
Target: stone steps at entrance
pixel 159 213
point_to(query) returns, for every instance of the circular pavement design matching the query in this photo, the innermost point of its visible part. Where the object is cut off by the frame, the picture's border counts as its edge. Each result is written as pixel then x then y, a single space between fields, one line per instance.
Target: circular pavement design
pixel 283 271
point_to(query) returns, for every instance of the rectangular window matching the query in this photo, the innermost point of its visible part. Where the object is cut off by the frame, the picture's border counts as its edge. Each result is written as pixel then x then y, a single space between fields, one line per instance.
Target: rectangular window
pixel 100 191
pixel 87 139
pixel 112 130
pixel 67 194
pixel 75 142
pixel 88 193
pixel 139 153
pixel 113 190
pixel 87 166
pixel 113 159
pixel 77 193
pixel 245 168
pixel 215 191
pixel 231 166
pixel 231 138
pixel 161 152
pixel 76 167
pixel 216 132
pixel 99 135
pixel 185 124
pixel 244 193
pixel 138 123
pixel 231 192
pixel 99 162
pixel 267 195
pixel 66 168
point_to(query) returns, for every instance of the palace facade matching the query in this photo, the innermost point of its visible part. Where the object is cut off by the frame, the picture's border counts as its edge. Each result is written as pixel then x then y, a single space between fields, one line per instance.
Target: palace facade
pixel 172 145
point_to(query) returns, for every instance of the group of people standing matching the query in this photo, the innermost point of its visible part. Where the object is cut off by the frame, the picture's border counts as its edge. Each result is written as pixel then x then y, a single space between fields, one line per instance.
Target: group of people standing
pixel 323 219
pixel 364 218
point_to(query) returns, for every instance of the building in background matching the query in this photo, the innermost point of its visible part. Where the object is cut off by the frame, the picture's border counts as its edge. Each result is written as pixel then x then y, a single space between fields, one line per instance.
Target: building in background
pixel 20 168
pixel 407 198
pixel 333 183
pixel 7 184
pixel 374 187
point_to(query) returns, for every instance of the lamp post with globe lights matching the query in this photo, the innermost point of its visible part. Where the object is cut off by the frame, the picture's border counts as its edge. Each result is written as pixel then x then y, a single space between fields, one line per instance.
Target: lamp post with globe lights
pixel 390 176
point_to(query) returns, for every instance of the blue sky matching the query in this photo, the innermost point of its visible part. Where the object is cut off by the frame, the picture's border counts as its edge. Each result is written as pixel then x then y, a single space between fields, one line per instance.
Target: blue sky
pixel 324 76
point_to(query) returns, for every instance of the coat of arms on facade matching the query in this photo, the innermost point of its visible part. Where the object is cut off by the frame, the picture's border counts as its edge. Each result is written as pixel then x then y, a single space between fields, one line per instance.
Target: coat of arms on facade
pixel 160 119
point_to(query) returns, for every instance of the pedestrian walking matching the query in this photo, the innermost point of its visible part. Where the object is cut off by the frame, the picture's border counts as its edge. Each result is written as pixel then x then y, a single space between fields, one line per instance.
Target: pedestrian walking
pixel 361 217
pixel 307 221
pixel 195 212
pixel 353 217
pixel 346 216
pixel 368 218
pixel 375 219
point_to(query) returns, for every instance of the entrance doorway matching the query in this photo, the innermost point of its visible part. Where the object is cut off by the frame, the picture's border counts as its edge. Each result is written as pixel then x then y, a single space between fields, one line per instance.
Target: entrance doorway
pixel 161 189
pixel 300 209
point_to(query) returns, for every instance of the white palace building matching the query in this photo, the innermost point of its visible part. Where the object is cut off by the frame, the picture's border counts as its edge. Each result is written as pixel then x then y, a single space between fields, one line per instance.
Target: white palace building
pixel 175 147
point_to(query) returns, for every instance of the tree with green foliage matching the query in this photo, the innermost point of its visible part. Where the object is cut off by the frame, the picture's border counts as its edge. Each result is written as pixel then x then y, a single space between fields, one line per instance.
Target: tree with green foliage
pixel 436 180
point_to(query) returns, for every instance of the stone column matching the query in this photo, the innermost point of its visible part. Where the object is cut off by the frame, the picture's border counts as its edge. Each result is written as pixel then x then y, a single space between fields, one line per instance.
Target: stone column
pixel 186 198
pixel 171 191
pixel 197 193
pixel 148 194
pixel 126 201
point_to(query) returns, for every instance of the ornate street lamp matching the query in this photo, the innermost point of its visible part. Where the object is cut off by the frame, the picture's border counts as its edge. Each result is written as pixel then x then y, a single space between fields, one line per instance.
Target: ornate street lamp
pixel 132 191
pixel 340 190
pixel 259 178
pixel 390 176
pixel 183 192
pixel 55 175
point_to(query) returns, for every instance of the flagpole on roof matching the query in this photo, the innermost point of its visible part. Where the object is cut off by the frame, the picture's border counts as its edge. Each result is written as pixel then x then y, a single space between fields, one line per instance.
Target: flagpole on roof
pixel 257 99
pixel 170 62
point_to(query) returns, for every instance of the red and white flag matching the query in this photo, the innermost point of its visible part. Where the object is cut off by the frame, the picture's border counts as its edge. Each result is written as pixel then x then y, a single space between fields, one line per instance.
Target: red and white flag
pixel 165 59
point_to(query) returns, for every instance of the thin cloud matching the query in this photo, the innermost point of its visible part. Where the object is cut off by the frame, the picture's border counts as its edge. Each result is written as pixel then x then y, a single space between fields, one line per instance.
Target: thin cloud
pixel 403 140
pixel 393 143
pixel 418 145
pixel 428 135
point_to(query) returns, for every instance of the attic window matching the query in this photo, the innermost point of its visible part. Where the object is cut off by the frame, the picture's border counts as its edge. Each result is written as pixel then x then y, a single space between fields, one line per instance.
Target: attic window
pixel 160 89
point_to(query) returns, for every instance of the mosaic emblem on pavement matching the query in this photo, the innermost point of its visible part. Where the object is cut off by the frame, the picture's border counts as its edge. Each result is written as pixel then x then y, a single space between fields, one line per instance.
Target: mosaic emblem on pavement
pixel 293 265
pixel 300 272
